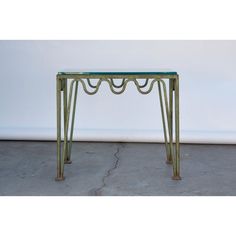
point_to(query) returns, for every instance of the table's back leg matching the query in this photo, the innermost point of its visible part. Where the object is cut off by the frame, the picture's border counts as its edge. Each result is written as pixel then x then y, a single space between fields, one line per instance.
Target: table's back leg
pixel 68 160
pixel 169 157
pixel 66 123
pixel 65 104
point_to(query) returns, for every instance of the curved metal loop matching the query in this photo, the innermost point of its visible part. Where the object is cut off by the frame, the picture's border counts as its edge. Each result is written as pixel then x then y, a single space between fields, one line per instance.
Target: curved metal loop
pixel 122 86
pixel 147 91
pixel 144 85
pixel 118 86
pixel 89 83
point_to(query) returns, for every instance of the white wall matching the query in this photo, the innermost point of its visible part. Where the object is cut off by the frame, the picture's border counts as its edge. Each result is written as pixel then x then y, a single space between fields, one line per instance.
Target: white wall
pixel 208 85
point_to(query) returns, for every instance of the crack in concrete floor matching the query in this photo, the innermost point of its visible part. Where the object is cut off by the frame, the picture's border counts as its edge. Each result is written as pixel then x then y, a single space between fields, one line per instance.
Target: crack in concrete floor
pixel 98 191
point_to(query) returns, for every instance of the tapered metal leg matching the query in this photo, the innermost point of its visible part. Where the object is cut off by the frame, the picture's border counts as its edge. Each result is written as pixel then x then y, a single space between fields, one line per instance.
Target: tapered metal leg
pixel 167 111
pixel 65 150
pixel 65 153
pixel 59 176
pixel 171 115
pixel 68 160
pixel 176 175
pixel 169 158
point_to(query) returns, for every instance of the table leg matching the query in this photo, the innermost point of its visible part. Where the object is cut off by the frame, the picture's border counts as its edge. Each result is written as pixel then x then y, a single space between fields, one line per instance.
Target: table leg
pixel 169 158
pixel 68 160
pixel 171 116
pixel 59 176
pixel 65 119
pixel 176 175
pixel 67 108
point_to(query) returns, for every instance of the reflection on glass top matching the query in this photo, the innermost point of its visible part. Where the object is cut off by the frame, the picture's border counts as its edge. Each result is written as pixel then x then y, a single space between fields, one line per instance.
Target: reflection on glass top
pixel 119 72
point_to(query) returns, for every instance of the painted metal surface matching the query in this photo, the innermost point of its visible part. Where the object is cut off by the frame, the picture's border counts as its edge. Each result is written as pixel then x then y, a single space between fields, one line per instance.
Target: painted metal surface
pixel 169 103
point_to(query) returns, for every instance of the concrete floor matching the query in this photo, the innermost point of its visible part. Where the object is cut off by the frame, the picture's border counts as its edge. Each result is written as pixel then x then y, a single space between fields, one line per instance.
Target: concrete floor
pixel 112 169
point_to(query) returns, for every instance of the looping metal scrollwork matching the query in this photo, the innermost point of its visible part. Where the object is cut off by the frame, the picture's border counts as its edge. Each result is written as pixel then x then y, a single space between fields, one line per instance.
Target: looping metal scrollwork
pixel 121 87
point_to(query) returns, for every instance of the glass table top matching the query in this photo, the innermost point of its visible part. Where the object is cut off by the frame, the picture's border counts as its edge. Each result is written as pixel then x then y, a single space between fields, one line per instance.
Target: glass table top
pixel 119 72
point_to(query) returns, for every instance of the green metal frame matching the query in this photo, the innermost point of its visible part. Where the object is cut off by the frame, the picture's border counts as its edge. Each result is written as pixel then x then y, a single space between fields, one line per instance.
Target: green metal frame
pixel 169 104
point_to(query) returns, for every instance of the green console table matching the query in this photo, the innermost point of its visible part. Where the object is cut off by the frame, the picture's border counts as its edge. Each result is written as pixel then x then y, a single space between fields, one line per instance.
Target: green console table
pixel 168 91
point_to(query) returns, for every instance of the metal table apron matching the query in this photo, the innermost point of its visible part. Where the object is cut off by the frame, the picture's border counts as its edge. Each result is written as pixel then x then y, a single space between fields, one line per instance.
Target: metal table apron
pixel 168 101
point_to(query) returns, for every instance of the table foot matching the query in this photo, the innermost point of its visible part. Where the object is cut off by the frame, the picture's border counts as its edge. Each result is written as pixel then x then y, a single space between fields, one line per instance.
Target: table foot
pixel 169 162
pixel 60 178
pixel 176 177
pixel 67 161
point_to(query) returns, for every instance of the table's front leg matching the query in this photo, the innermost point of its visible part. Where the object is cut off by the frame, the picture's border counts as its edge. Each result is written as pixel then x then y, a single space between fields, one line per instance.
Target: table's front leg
pixel 176 175
pixel 59 88
pixel 170 124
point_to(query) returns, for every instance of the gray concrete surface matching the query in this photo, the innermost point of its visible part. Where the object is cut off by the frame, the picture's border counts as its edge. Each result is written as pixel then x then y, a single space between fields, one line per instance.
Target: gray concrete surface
pixel 112 169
